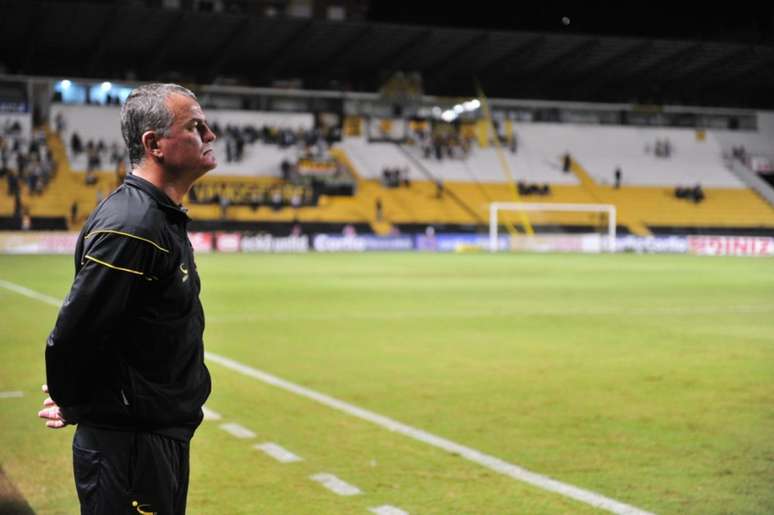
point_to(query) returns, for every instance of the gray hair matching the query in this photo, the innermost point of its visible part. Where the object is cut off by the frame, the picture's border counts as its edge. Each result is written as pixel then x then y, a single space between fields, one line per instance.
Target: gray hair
pixel 145 110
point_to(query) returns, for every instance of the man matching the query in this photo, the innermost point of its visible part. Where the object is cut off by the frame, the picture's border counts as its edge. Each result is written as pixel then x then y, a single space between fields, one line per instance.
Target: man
pixel 125 361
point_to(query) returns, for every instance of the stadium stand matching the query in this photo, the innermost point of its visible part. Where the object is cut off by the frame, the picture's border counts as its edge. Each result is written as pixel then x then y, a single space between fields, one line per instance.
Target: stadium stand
pixel 101 123
pixel 645 203
pixel 277 170
pixel 693 158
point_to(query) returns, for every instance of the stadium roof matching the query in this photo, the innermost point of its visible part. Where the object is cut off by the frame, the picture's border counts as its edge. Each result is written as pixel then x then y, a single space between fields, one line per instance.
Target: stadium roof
pixel 129 41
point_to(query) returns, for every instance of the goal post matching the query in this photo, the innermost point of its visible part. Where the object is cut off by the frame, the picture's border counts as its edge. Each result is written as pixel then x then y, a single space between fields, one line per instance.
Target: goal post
pixel 607 242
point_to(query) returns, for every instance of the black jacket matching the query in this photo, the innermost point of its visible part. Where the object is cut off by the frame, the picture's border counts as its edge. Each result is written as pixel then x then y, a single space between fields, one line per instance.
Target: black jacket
pixel 126 352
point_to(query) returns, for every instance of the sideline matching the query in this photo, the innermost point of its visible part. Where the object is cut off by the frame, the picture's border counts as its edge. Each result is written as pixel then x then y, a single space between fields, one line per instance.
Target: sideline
pixel 490 462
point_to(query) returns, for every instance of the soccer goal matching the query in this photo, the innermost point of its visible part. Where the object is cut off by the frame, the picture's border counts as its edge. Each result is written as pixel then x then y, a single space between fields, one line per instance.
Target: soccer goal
pixel 593 227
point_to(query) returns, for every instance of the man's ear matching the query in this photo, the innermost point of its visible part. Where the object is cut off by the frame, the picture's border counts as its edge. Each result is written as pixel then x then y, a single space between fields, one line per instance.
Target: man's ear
pixel 150 141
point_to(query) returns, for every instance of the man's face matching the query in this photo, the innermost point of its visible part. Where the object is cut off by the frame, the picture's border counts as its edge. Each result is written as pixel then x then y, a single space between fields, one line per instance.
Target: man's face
pixel 187 148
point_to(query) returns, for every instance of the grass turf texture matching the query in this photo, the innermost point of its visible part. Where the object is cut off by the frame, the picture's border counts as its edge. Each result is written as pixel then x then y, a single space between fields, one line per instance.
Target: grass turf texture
pixel 647 379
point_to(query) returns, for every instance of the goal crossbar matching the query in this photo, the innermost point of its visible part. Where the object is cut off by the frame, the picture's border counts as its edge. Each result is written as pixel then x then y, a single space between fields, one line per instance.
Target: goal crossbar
pixel 496 207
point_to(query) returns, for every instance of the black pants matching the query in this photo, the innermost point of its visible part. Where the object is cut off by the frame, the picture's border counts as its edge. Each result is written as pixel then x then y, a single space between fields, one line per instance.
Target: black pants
pixel 129 473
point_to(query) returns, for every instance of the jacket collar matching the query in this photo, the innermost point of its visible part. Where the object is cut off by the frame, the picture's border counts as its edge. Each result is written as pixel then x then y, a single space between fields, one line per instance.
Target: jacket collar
pixel 161 198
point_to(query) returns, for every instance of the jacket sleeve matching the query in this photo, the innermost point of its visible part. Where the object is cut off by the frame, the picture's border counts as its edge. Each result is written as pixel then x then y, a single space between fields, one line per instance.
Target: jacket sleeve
pixel 99 301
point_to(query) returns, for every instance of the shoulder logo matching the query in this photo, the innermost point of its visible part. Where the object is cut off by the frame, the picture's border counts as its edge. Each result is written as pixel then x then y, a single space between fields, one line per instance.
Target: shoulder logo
pixel 142 507
pixel 184 270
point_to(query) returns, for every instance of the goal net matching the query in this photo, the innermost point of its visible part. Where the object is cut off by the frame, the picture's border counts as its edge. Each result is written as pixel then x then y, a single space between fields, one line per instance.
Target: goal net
pixel 553 227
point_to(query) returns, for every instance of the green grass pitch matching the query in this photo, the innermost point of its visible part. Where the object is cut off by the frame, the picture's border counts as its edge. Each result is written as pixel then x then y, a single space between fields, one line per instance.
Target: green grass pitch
pixel 646 379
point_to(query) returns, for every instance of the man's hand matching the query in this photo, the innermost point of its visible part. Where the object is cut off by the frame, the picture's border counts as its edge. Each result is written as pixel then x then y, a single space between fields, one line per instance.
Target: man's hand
pixel 51 412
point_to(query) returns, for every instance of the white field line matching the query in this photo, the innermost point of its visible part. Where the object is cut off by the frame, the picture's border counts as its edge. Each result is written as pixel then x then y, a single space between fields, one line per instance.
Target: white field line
pixel 236 430
pixel 387 510
pixel 11 395
pixel 490 462
pixel 21 290
pixel 529 312
pixel 210 414
pixel 278 453
pixel 335 484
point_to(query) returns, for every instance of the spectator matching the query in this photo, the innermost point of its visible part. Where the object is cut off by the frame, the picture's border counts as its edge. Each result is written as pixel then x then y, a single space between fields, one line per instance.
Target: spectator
pixel 437 148
pixel 533 189
pixel 59 123
pixel 224 203
pixel 17 203
pixel 276 199
pixel 566 162
pixel 239 147
pixel 12 178
pixel 617 178
pixel 295 200
pixel 76 145
pixel 697 194
pixel 378 209
pixel 254 200
pixel 21 162
pixel 230 146
pixel 740 153
pixel 663 148
pixel 26 220
pixel 73 212
pixel 115 153
pixel 349 231
pixel 426 149
pixel 285 166
pixel 48 166
pixel 439 189
pixel 93 162
pixel 90 178
pixel 34 172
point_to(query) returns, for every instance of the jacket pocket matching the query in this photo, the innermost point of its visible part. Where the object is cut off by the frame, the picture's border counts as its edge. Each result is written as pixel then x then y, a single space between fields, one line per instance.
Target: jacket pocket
pixel 87 464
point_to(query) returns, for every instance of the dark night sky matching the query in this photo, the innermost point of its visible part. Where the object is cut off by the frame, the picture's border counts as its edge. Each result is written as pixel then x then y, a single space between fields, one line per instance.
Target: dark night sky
pixel 746 22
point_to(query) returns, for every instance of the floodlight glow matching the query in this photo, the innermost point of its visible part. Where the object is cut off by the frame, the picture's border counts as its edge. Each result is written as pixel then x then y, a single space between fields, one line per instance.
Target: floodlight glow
pixel 449 116
pixel 458 108
pixel 437 111
pixel 66 84
pixel 106 86
pixel 475 103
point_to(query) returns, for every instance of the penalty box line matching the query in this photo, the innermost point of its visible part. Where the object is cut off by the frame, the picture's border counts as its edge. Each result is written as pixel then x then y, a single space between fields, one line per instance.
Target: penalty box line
pixel 491 462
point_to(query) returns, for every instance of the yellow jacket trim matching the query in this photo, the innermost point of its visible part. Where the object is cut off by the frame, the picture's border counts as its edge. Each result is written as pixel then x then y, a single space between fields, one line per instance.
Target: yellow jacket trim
pixel 113 266
pixel 128 235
